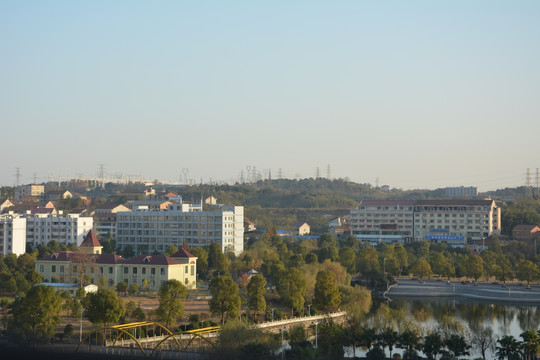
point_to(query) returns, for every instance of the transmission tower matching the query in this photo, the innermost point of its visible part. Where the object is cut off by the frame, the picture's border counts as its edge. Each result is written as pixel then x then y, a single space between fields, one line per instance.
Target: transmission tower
pixel 528 183
pixel 18 176
pixel 102 174
pixel 328 172
pixel 537 195
pixel 280 174
pixel 318 173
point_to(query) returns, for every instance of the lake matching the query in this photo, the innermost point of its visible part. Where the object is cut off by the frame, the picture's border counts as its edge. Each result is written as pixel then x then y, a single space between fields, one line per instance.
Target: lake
pixel 504 319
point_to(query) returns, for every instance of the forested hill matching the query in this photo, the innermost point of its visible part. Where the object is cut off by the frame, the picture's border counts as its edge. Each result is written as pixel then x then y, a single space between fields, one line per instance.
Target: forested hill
pixel 305 193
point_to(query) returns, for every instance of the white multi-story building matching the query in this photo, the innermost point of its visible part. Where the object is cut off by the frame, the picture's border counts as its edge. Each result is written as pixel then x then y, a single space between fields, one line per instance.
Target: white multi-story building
pixel 105 220
pixel 12 235
pixel 383 221
pixel 456 222
pixel 461 191
pixel 64 228
pixel 28 191
pixel 153 230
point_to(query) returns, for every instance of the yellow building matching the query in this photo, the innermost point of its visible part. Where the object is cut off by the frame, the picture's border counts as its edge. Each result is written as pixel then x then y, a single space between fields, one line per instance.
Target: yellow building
pixel 90 266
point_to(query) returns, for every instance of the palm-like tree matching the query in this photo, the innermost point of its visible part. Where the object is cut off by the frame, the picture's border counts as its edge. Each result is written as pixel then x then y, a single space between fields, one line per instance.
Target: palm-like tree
pixel 367 338
pixel 433 345
pixel 388 338
pixel 410 341
pixel 457 345
pixel 530 344
pixel 508 348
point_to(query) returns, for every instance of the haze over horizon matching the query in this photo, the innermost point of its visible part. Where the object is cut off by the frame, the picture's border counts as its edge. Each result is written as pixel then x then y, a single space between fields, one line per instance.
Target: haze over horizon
pixel 416 94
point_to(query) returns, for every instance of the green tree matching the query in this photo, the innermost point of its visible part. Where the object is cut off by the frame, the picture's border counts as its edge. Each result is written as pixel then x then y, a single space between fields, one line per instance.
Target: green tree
pixel 225 298
pixel 474 266
pixel 327 295
pixel 133 289
pixel 291 288
pixel 508 348
pixel 503 268
pixel 171 249
pixel 367 261
pixel 34 317
pixel 457 345
pixel 433 345
pixel 421 268
pixel 171 294
pixel 218 262
pixel 202 260
pixel 530 344
pixel 122 287
pixel 255 291
pixel 103 307
pixel 443 266
pixel 347 258
pixel 527 271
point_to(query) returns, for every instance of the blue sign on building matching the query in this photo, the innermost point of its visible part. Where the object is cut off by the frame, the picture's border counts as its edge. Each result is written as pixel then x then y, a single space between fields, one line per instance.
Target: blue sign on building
pixel 434 237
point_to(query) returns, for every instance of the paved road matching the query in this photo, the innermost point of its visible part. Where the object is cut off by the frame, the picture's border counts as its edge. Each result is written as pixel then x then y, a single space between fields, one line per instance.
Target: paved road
pixel 511 293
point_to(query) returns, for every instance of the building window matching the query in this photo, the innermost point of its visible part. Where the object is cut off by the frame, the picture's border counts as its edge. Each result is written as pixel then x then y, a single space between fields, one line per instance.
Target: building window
pixel 126 270
pixel 143 271
pixel 41 268
pixel 110 270
pixel 134 270
pixel 53 268
pixel 163 271
pixel 186 270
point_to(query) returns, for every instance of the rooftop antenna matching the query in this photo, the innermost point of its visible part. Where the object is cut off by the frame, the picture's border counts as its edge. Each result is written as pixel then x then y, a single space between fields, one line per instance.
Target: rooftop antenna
pixel 35 178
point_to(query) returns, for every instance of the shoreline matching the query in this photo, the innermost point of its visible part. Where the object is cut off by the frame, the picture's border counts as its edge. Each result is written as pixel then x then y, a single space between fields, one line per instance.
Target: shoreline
pixel 509 294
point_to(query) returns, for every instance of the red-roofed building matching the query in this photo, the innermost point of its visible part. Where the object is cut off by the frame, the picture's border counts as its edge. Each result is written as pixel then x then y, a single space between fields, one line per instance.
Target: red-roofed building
pixel 526 232
pixel 89 265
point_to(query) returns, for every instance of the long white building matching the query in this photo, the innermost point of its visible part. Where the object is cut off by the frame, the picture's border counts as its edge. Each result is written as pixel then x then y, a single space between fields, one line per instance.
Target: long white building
pixel 64 228
pixel 456 222
pixel 12 235
pixel 38 227
pixel 153 230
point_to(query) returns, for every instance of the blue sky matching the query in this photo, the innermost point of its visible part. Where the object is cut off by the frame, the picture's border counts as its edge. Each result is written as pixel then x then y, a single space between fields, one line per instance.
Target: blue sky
pixel 419 94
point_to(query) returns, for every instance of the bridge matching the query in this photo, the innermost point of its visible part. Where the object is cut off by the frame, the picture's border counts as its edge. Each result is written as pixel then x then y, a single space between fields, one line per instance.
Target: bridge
pixel 148 339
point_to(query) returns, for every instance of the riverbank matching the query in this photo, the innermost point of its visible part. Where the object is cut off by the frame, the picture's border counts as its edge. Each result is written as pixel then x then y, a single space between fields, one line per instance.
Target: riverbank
pixel 510 293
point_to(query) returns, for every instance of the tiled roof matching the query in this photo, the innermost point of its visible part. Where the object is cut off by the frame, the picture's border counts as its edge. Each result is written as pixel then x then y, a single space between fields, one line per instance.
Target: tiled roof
pixel 90 240
pixel 455 202
pixel 387 202
pixel 110 259
pixel 524 227
pixel 153 260
pixel 183 253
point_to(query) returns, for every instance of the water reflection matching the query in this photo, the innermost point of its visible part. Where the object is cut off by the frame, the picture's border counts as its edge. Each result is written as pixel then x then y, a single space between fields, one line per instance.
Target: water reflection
pixel 430 314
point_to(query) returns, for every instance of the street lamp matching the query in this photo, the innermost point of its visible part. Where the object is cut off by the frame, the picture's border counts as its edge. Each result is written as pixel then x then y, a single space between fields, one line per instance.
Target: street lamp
pixel 316 334
pixel 282 346
pixel 384 266
pixel 309 309
pixel 273 313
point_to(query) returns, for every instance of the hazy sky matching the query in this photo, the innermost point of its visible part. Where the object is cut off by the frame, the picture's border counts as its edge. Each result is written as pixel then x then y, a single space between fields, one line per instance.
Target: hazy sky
pixel 419 94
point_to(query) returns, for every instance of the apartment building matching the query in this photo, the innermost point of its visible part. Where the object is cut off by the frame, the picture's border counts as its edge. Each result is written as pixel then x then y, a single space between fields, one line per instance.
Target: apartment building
pixel 30 192
pixel 149 231
pixel 64 228
pixel 105 219
pixel 388 221
pixel 456 222
pixel 12 235
pixel 461 191
pixel 89 266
